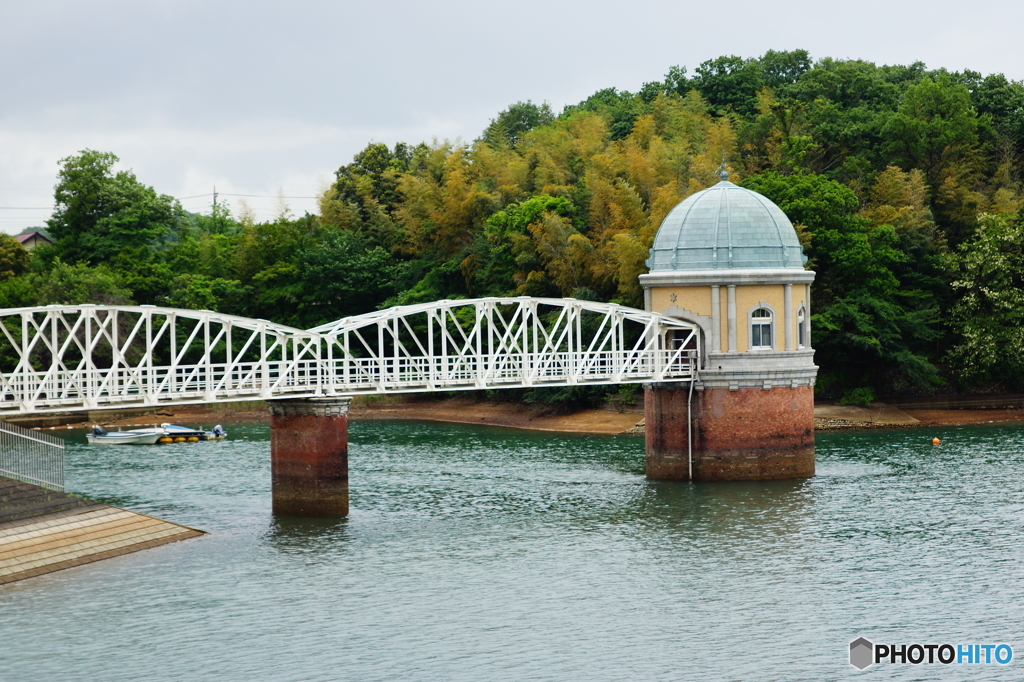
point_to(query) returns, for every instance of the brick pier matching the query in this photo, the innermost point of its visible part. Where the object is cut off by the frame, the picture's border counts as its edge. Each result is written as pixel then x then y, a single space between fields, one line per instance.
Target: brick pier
pixel 738 434
pixel 309 456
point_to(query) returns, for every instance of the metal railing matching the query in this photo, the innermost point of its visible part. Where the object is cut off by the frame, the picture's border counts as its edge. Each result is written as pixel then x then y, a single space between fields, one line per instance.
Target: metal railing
pixel 350 375
pixel 31 457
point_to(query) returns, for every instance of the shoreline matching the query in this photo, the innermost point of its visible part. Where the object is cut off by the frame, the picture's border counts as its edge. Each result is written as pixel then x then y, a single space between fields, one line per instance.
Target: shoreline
pixel 451 410
pixel 604 421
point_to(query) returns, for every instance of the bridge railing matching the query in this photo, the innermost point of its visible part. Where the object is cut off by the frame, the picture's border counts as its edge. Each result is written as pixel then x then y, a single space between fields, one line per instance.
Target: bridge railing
pixel 90 387
pixel 240 381
pixel 520 369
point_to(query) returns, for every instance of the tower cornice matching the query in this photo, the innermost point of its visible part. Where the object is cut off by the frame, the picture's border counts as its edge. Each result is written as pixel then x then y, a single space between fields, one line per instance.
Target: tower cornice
pixel 726 277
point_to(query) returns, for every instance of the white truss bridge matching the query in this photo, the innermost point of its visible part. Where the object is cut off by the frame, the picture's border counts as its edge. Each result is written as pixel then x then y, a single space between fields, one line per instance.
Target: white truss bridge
pixel 84 357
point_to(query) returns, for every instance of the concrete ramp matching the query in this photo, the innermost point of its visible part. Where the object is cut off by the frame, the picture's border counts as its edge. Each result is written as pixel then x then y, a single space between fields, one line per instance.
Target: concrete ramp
pixel 42 531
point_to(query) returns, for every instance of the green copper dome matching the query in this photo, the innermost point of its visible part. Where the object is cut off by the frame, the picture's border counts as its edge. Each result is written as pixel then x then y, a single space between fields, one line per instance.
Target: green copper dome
pixel 726 227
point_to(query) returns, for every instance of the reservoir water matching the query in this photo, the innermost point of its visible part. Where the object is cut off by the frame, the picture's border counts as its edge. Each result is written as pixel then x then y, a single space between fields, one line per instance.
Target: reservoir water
pixel 476 553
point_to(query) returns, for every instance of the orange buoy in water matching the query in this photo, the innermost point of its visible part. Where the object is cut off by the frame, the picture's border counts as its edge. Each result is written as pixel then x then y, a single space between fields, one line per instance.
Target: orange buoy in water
pixel 936 441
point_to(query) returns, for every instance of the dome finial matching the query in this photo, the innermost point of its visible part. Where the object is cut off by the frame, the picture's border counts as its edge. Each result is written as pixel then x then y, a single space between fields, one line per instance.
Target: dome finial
pixel 722 172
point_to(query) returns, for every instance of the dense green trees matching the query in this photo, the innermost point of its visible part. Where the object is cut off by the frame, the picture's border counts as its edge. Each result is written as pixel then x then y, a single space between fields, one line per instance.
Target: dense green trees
pixel 342 275
pixel 904 183
pixel 869 322
pixel 101 214
pixel 63 283
pixel 513 123
pixel 13 257
pixel 990 307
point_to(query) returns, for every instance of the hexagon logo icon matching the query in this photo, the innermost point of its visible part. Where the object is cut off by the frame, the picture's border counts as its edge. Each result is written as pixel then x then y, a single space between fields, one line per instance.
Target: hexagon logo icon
pixel 861 653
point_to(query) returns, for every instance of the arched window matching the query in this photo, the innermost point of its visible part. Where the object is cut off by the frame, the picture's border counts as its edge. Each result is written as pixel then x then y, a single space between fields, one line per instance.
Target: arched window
pixel 801 328
pixel 761 329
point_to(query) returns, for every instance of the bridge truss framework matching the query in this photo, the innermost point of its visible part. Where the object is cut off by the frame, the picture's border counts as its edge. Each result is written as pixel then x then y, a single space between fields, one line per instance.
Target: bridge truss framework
pixel 66 358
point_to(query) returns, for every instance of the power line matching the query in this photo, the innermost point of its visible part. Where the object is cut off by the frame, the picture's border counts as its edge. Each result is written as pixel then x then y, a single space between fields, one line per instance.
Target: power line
pixel 194 196
pixel 228 194
pixel 255 196
pixel 263 196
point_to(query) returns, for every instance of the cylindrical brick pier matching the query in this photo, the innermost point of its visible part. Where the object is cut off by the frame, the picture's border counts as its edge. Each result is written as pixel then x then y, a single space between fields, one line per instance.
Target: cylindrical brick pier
pixel 309 456
pixel 738 434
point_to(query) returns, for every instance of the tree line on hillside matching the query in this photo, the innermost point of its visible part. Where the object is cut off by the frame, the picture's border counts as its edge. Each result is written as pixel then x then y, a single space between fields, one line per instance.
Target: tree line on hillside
pixel 904 184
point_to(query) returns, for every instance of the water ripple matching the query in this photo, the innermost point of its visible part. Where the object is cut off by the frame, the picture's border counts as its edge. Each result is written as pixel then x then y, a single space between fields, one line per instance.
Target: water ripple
pixel 479 553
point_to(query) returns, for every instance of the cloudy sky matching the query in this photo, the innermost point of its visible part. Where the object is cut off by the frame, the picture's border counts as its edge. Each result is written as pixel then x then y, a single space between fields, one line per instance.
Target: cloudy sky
pixel 261 98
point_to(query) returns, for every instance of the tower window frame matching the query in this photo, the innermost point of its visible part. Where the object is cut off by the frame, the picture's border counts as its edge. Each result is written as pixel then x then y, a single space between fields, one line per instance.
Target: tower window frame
pixel 801 327
pixel 761 327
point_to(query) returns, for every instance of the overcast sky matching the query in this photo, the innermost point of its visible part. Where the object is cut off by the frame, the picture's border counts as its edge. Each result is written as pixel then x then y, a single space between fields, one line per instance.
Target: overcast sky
pixel 258 97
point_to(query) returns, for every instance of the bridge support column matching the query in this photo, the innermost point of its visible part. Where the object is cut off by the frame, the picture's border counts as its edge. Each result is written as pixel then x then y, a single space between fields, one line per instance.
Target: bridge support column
pixel 749 433
pixel 309 456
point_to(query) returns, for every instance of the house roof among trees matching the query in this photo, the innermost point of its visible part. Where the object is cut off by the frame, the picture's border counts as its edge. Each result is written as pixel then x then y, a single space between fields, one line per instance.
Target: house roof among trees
pixel 29 235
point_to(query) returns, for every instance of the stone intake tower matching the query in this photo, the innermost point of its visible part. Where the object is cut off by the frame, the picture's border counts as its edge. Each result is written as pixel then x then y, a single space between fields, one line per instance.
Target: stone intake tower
pixel 728 260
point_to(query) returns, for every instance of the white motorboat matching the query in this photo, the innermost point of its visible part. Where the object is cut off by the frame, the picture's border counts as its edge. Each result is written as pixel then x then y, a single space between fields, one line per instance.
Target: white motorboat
pixel 141 437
